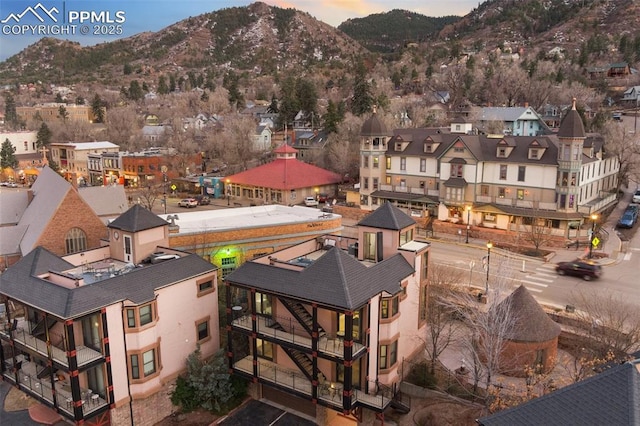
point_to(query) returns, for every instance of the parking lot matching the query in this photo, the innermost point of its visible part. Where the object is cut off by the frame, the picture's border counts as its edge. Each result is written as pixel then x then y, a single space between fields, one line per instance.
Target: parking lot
pixel 257 413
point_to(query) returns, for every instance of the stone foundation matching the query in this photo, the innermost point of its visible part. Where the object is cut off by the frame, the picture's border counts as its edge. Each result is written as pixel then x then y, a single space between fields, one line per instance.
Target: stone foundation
pixel 147 411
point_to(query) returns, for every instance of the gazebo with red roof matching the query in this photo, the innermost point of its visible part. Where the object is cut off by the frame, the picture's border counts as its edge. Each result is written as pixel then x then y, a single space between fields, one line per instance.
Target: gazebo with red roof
pixel 286 180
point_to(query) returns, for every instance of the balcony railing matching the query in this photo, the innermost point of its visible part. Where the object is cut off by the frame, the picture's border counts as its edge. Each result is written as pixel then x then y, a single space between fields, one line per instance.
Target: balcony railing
pixel 331 393
pixel 59 346
pixel 330 344
pixel 42 388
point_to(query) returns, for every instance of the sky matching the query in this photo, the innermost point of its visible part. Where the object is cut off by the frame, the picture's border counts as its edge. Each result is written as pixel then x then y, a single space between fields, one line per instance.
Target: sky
pixel 23 22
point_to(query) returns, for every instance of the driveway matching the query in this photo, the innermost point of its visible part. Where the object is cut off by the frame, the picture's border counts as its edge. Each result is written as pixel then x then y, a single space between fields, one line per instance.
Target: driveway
pixel 13 418
pixel 256 413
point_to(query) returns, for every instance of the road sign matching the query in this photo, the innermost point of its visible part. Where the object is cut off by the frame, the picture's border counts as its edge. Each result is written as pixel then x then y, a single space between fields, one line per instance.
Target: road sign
pixel 173 187
pixel 595 241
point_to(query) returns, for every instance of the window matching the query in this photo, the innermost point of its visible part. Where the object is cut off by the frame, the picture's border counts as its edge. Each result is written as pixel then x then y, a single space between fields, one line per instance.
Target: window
pixel 144 364
pixel 202 330
pixel 484 190
pixel 533 154
pixel 520 194
pixel 376 162
pixel 456 170
pixel 388 163
pixel 521 173
pixel 389 307
pixel 139 316
pixel 375 184
pixel 365 161
pixel 458 147
pixel 403 183
pixel 388 355
pixel 423 164
pixel 503 171
pixel 228 265
pixel 406 236
pixel 403 163
pixel 365 183
pixel 75 241
pixel 387 180
pixel 421 184
pixel 205 287
pixel 502 152
pixel 264 349
pixel 501 192
pixel 263 303
pixel 428 148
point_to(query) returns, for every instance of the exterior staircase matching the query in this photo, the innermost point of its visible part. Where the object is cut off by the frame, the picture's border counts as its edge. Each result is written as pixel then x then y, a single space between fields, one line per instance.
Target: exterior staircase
pixel 302 315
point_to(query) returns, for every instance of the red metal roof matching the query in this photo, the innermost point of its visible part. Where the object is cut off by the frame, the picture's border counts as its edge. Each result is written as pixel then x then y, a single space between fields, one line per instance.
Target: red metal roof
pixel 285 174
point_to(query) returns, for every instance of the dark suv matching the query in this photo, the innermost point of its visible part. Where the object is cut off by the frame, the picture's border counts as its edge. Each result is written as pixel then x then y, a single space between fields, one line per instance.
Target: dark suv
pixel 203 200
pixel 580 268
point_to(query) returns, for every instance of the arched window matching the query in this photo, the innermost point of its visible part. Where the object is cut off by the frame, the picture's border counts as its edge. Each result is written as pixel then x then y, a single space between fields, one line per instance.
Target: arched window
pixel 75 241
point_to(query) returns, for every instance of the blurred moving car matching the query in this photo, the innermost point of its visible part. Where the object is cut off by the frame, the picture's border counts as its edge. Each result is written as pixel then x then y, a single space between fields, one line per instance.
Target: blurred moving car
pixel 188 203
pixel 203 200
pixel 627 220
pixel 580 268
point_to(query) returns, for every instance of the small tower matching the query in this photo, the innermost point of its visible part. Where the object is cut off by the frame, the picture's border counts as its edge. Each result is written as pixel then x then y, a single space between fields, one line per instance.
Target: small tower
pixel 373 161
pixel 571 137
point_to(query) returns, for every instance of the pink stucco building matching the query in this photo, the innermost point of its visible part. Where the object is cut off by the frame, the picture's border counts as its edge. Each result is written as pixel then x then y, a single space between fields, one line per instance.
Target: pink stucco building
pixel 324 325
pixel 101 335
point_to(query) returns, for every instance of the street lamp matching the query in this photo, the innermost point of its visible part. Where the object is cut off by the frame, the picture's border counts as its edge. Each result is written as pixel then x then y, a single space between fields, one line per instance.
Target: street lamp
pixel 594 218
pixel 468 224
pixel 486 284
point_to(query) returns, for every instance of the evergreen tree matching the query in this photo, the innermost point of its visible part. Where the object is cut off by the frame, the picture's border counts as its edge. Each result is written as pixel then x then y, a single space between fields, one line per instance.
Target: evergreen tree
pixel 273 106
pixel 43 138
pixel 362 100
pixel 10 114
pixel 172 83
pixel 8 155
pixel 307 98
pixel 163 89
pixel 288 106
pixel 59 99
pixel 230 82
pixel 334 116
pixel 135 91
pixel 127 69
pixel 97 108
pixel 62 113
pixel 80 100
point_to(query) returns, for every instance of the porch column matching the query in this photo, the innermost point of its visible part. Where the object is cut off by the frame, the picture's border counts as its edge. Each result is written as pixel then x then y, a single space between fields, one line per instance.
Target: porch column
pixel 107 355
pixel 74 380
pixel 347 391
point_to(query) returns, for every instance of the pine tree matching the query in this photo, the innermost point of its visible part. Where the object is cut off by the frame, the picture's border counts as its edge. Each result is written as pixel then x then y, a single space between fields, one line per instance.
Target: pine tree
pixel 163 89
pixel 362 100
pixel 97 109
pixel 10 114
pixel 62 113
pixel 43 138
pixel 8 155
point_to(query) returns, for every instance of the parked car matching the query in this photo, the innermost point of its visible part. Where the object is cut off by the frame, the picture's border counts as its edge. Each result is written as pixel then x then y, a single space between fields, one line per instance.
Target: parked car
pixel 636 197
pixel 188 203
pixel 580 268
pixel 627 220
pixel 323 198
pixel 203 200
pixel 310 202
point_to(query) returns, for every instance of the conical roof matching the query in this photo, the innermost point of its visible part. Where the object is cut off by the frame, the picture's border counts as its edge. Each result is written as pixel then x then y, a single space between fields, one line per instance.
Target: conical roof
pixel 572 126
pixel 532 322
pixel 373 126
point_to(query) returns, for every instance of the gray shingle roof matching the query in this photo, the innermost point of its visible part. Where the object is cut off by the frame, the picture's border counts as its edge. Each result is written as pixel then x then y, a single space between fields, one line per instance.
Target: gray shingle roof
pixel 611 398
pixel 137 218
pixel 21 282
pixel 387 216
pixel 571 125
pixel 532 323
pixel 373 127
pixel 335 279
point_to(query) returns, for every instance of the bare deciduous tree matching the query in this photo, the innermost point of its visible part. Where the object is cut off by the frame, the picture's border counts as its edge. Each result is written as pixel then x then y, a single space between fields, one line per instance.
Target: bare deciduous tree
pixel 624 146
pixel 441 322
pixel 610 323
pixel 344 146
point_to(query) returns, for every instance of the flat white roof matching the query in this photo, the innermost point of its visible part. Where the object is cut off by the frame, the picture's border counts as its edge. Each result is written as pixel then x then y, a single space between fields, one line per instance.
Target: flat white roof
pixel 414 246
pixel 191 222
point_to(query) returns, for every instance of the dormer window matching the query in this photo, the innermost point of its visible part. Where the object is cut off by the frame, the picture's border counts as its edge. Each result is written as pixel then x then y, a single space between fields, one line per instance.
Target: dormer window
pixel 502 152
pixel 428 148
pixel 398 146
pixel 534 154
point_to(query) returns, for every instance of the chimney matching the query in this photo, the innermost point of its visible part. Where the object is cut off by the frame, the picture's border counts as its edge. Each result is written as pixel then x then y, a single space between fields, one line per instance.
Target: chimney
pixel 526 104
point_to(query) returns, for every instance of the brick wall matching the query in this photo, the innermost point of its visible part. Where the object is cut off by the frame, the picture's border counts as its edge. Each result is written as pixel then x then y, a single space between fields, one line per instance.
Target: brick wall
pixel 72 213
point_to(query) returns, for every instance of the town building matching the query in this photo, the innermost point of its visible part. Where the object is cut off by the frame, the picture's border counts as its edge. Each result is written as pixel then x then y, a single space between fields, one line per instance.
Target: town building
pixel 230 237
pixel 286 180
pixel 73 158
pixel 494 181
pixel 323 326
pixel 54 215
pixel 50 112
pixel 101 335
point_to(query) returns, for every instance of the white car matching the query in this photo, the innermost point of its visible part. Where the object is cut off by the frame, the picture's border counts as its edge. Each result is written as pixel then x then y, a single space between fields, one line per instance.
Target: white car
pixel 188 203
pixel 310 202
pixel 636 197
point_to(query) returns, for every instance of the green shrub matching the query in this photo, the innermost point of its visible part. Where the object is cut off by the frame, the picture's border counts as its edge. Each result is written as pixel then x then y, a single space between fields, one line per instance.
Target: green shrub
pixel 420 376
